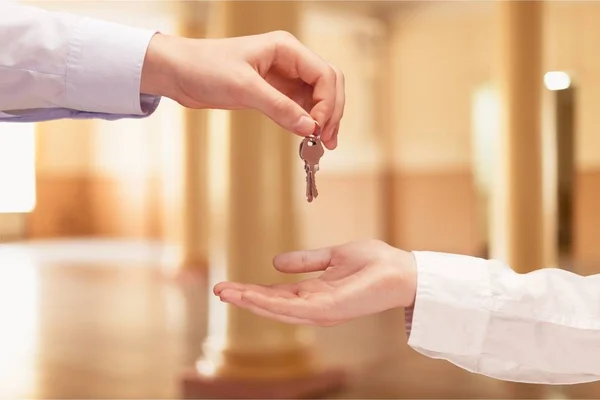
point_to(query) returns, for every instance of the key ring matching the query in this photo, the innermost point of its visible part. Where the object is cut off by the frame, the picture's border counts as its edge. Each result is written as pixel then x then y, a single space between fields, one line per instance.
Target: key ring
pixel 317 130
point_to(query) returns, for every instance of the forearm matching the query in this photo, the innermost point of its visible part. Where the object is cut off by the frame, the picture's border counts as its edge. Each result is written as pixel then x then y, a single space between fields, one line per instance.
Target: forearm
pixel 542 327
pixel 56 65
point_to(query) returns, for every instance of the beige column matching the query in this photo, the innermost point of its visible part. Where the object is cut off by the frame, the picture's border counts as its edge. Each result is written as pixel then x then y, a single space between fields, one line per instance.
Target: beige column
pixel 517 216
pixel 253 191
pixel 194 208
pixel 517 235
pixel 385 98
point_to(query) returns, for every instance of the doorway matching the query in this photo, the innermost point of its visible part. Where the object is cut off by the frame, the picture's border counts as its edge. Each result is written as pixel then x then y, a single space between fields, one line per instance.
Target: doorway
pixel 485 140
pixel 564 103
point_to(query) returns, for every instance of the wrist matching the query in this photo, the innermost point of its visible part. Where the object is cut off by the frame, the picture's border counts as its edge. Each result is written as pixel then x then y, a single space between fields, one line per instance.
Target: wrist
pixel 157 72
pixel 411 279
pixel 406 270
pixel 410 265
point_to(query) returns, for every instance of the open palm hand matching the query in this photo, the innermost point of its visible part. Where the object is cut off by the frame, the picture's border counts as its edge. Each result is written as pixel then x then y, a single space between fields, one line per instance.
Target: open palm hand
pixel 358 279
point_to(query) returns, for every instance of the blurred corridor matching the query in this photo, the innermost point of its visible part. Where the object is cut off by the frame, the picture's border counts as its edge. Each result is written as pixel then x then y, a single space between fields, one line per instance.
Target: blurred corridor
pixel 469 128
pixel 96 319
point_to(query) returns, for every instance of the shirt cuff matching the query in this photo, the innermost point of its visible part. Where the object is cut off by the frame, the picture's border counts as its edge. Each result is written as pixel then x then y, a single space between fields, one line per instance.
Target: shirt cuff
pixel 452 306
pixel 408 317
pixel 104 69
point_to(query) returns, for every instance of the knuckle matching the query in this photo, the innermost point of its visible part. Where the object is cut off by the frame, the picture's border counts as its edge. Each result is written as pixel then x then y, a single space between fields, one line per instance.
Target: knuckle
pixel 283 37
pixel 326 110
pixel 374 243
pixel 339 76
pixel 330 73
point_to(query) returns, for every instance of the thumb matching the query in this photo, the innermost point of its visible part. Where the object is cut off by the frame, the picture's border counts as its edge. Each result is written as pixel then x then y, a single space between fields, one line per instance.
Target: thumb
pixel 280 108
pixel 303 261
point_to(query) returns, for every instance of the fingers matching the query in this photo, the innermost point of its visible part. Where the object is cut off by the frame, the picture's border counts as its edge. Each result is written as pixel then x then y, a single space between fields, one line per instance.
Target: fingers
pixel 296 60
pixel 316 309
pixel 280 302
pixel 234 297
pixel 294 307
pixel 297 262
pixel 334 138
pixel 281 109
pixel 287 291
pixel 273 300
pixel 331 130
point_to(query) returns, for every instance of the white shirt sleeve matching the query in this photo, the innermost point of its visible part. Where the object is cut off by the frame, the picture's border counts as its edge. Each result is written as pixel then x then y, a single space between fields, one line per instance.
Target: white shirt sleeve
pixel 540 327
pixel 55 65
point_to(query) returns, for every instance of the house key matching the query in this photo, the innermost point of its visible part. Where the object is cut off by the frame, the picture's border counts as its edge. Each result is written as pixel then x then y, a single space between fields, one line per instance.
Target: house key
pixel 311 151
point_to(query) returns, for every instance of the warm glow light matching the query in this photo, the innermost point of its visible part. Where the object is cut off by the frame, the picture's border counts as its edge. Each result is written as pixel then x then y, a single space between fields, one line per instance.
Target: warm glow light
pixel 19 310
pixel 17 167
pixel 557 80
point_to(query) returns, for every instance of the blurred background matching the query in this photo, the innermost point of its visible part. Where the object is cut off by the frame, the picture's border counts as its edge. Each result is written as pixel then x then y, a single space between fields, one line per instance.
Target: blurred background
pixel 112 233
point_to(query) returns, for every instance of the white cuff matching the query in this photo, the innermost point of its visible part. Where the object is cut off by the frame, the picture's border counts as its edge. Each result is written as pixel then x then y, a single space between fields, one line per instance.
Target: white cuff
pixel 104 68
pixel 452 307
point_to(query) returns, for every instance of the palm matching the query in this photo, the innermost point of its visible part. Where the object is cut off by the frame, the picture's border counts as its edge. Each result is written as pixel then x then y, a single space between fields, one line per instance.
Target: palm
pixel 328 283
pixel 358 278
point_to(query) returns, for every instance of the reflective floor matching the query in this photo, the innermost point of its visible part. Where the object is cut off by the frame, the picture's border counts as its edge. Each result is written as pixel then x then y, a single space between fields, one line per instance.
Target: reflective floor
pixel 100 320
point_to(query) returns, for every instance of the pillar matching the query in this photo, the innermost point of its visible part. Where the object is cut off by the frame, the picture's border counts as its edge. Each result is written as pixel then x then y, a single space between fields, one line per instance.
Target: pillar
pixel 518 211
pixel 517 214
pixel 252 194
pixel 194 207
pixel 385 98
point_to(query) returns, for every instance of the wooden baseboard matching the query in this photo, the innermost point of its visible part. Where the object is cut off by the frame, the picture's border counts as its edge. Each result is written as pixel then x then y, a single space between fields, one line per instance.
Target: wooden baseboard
pixel 69 206
pixel 586 221
pixel 62 208
pixel 431 211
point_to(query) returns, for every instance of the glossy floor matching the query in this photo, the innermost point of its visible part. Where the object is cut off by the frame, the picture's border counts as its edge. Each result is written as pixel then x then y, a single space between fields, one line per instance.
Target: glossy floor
pixel 85 319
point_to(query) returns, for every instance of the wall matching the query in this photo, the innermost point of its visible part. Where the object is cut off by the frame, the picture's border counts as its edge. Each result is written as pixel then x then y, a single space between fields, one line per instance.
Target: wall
pixel 62 168
pixel 117 178
pixel 442 52
pixel 350 185
pixel 408 180
pixel 432 127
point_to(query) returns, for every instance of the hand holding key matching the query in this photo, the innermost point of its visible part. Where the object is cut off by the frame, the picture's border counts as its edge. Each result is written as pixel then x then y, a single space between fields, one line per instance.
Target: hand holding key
pixel 271 72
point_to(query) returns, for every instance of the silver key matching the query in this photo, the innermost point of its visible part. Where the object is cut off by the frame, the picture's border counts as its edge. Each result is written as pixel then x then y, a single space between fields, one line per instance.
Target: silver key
pixel 309 184
pixel 311 151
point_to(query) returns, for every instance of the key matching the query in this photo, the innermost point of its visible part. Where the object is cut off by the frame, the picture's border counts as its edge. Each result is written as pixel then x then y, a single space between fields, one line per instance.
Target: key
pixel 309 184
pixel 311 151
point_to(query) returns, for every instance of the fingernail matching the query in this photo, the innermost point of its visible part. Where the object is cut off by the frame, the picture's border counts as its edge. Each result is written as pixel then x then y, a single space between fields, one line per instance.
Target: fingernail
pixel 305 126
